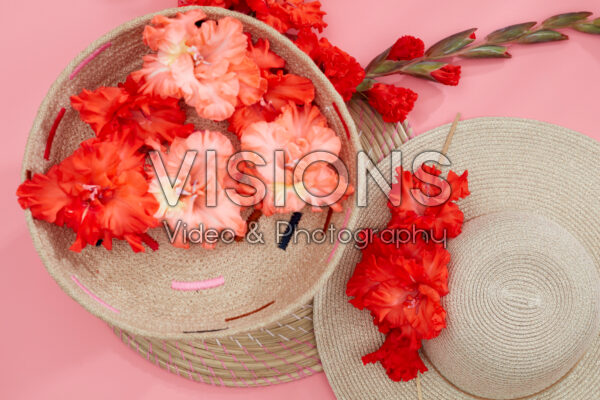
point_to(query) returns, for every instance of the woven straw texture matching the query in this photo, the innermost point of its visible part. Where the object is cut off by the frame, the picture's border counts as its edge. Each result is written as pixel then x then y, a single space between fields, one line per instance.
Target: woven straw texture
pixel 282 352
pixel 524 299
pixel 262 283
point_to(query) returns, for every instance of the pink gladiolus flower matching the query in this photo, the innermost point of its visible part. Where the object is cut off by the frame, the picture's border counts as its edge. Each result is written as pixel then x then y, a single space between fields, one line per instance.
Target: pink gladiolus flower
pixel 298 131
pixel 204 62
pixel 193 207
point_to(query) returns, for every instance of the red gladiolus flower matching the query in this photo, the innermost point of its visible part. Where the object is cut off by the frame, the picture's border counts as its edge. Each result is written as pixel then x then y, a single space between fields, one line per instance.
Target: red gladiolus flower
pixel 124 111
pixel 392 102
pixel 308 42
pixel 402 285
pixel 407 48
pixel 237 5
pixel 342 69
pixel 284 15
pixel 420 207
pixel 100 191
pixel 376 266
pixel 44 195
pixel 403 274
pixel 399 355
pixel 448 75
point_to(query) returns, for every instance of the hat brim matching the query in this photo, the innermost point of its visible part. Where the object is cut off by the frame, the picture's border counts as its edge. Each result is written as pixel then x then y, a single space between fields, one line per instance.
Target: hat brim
pixel 513 164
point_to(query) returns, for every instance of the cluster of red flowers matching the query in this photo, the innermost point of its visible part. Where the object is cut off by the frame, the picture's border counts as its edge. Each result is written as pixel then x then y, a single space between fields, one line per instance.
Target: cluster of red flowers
pixel 402 284
pixel 103 190
pixel 125 112
pixel 394 102
pixel 299 20
pixel 282 15
pixel 100 191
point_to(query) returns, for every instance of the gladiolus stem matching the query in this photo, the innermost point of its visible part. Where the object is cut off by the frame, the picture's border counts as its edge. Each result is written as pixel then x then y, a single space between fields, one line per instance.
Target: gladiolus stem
pixel 543 32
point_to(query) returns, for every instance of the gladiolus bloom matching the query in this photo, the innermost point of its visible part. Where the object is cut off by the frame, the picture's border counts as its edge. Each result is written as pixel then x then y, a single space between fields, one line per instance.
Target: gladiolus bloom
pixel 344 72
pixel 392 102
pixel 407 48
pixel 448 75
pixel 208 65
pixel 297 132
pixel 124 111
pixel 193 207
pixel 100 191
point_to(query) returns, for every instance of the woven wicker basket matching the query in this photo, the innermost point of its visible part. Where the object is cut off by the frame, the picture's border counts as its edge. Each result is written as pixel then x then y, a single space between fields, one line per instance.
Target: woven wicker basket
pixel 284 351
pixel 134 292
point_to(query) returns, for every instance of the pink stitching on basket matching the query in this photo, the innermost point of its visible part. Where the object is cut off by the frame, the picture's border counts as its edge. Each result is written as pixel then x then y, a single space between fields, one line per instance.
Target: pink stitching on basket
pixel 312 346
pixel 264 363
pixel 300 368
pixel 398 132
pixel 198 285
pixel 88 59
pixel 235 378
pixel 205 365
pixel 92 295
pixel 240 362
pixel 303 354
pixel 337 242
pixel 382 142
pixel 362 117
pixel 167 363
pixel 388 139
pixel 189 363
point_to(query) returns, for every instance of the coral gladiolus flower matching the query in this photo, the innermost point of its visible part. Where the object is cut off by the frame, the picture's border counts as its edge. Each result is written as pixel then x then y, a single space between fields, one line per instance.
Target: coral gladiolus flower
pixel 44 195
pixel 124 111
pixel 207 65
pixel 260 52
pixel 193 207
pixel 407 48
pixel 284 88
pixel 297 132
pixel 392 102
pixel 100 191
pixel 281 90
pixel 243 117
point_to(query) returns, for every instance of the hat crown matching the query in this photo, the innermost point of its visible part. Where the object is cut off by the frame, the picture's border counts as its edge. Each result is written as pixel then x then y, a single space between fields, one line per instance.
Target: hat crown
pixel 523 307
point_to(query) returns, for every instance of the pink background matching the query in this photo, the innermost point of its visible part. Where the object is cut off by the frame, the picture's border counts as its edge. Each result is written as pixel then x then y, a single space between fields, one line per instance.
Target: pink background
pixel 52 349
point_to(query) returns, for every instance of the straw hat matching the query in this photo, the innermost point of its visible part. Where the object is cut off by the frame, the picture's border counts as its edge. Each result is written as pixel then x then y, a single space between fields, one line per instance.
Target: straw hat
pixel 524 303
pixel 247 286
pixel 282 352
